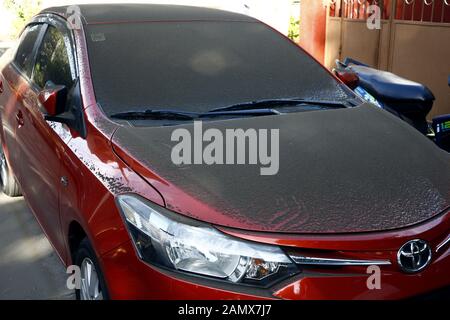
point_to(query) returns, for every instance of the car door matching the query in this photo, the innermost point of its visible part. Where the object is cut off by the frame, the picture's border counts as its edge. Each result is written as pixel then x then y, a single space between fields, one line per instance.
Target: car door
pixel 15 89
pixel 43 142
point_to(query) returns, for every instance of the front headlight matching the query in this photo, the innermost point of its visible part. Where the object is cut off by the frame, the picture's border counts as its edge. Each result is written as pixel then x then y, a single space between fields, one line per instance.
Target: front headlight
pixel 169 240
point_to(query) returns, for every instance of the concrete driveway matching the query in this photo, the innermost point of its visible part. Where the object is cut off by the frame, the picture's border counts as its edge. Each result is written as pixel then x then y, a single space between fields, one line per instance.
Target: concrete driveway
pixel 29 267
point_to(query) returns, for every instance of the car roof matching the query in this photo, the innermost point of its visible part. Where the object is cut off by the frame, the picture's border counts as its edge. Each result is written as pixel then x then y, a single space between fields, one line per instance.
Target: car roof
pixel 124 13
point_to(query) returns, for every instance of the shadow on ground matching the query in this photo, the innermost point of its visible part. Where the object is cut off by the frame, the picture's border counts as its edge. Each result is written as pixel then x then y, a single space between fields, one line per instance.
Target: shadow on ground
pixel 29 267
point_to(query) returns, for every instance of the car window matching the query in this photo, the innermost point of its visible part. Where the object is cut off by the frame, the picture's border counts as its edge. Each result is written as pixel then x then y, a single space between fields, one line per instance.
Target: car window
pixel 24 54
pixel 52 61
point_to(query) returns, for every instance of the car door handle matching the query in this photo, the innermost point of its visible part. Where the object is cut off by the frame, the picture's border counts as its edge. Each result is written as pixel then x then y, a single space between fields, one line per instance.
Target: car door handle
pixel 19 118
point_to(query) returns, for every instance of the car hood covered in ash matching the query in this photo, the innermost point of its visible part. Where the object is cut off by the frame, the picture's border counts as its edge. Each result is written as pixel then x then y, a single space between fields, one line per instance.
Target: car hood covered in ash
pixel 340 171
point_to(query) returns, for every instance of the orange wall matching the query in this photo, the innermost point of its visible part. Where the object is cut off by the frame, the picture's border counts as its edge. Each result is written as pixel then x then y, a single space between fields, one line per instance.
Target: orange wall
pixel 312 28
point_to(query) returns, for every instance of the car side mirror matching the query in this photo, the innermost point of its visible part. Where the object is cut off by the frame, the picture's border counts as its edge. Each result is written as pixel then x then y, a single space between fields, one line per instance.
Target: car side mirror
pixel 53 98
pixel 64 105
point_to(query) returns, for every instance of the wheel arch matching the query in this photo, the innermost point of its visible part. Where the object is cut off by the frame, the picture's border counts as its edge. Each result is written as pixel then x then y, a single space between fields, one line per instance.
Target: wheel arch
pixel 75 235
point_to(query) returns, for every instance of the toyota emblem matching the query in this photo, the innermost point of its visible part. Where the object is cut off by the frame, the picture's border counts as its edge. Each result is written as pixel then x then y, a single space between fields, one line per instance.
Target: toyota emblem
pixel 414 256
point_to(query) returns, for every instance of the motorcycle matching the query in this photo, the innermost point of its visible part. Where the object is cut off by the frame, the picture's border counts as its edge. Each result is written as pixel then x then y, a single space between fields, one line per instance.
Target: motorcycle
pixel 408 100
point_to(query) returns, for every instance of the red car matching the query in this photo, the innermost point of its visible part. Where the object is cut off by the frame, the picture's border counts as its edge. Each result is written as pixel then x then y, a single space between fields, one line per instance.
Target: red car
pixel 89 101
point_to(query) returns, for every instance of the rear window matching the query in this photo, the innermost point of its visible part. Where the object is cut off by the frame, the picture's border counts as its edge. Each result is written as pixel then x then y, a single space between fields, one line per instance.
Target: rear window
pixel 198 66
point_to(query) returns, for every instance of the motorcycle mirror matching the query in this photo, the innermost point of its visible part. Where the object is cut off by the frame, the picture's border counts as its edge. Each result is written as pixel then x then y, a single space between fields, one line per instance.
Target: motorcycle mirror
pixel 349 78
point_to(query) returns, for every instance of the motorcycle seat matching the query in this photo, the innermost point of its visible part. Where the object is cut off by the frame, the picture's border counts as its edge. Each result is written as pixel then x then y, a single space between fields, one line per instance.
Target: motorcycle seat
pixel 390 87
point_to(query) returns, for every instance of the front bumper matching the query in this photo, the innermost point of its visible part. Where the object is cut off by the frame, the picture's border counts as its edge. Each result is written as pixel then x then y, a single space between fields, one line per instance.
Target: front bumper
pixel 394 284
pixel 130 278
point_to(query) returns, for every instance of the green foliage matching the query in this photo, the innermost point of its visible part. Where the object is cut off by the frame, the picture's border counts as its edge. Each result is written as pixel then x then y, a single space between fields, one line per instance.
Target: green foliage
pixel 23 11
pixel 294 29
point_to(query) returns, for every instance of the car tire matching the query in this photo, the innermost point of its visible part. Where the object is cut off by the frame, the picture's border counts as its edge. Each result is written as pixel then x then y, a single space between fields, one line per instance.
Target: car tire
pixel 8 183
pixel 92 284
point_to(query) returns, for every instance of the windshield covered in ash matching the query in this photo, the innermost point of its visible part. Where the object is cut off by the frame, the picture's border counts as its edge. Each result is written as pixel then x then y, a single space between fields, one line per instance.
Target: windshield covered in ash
pixel 199 66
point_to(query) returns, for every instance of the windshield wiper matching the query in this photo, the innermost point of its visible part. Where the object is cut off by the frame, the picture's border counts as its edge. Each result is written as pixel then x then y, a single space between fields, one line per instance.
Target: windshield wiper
pixel 187 116
pixel 272 103
pixel 155 115
pixel 253 108
pixel 243 112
